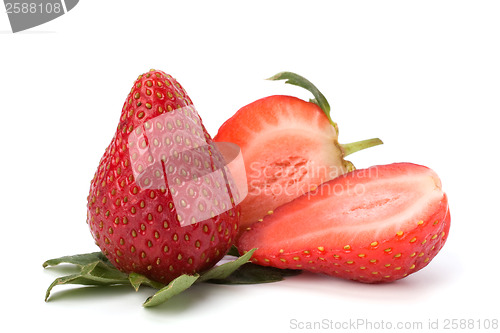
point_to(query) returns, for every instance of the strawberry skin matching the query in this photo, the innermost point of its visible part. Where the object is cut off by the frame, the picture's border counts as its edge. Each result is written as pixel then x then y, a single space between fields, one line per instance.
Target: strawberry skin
pixel 137 222
pixel 371 225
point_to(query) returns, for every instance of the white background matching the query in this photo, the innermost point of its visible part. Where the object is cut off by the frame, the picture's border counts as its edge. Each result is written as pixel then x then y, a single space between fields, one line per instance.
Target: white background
pixel 424 76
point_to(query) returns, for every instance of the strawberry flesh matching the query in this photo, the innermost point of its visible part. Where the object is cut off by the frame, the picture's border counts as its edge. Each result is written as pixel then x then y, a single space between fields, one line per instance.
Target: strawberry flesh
pixel 289 147
pixel 372 225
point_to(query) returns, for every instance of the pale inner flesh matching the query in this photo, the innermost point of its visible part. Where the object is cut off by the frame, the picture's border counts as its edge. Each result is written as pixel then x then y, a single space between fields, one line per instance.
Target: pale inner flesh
pixel 357 214
pixel 284 167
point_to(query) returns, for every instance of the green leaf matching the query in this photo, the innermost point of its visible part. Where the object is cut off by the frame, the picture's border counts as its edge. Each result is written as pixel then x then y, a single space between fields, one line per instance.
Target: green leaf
pixel 233 251
pixel 225 270
pixel 96 270
pixel 175 287
pixel 96 273
pixel 300 81
pixel 78 259
pixel 136 280
pixel 255 274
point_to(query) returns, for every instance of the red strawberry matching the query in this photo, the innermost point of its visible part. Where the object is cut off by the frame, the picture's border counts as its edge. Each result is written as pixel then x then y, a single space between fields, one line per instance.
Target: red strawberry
pixel 374 225
pixel 289 146
pixel 159 203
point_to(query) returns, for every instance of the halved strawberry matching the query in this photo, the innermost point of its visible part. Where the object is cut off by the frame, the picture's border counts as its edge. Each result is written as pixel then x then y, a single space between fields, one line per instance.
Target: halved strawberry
pixel 289 147
pixel 372 225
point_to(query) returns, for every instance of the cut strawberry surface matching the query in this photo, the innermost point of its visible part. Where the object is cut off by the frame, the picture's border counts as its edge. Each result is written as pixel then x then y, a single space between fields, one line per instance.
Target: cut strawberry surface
pixel 372 225
pixel 289 147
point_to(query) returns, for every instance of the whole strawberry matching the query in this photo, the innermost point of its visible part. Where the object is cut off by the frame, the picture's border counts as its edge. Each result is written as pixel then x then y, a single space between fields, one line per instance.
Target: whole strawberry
pixel 161 203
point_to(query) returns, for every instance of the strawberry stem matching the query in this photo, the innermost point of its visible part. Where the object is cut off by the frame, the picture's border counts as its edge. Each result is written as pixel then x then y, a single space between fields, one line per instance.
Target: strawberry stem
pixel 353 147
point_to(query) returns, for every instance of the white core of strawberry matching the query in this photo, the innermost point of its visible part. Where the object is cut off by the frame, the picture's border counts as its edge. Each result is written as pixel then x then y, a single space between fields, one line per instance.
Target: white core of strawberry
pixel 170 152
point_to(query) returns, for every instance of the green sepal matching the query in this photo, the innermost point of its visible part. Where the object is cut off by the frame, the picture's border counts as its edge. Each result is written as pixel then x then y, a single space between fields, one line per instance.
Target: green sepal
pixel 225 270
pixel 300 81
pixel 233 251
pixel 137 280
pixel 254 274
pixel 96 274
pixel 96 270
pixel 78 259
pixel 250 273
pixel 175 287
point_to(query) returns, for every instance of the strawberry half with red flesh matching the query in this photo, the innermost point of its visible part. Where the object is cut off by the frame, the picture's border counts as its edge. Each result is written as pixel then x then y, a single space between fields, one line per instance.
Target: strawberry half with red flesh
pixel 371 225
pixel 160 203
pixel 289 147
